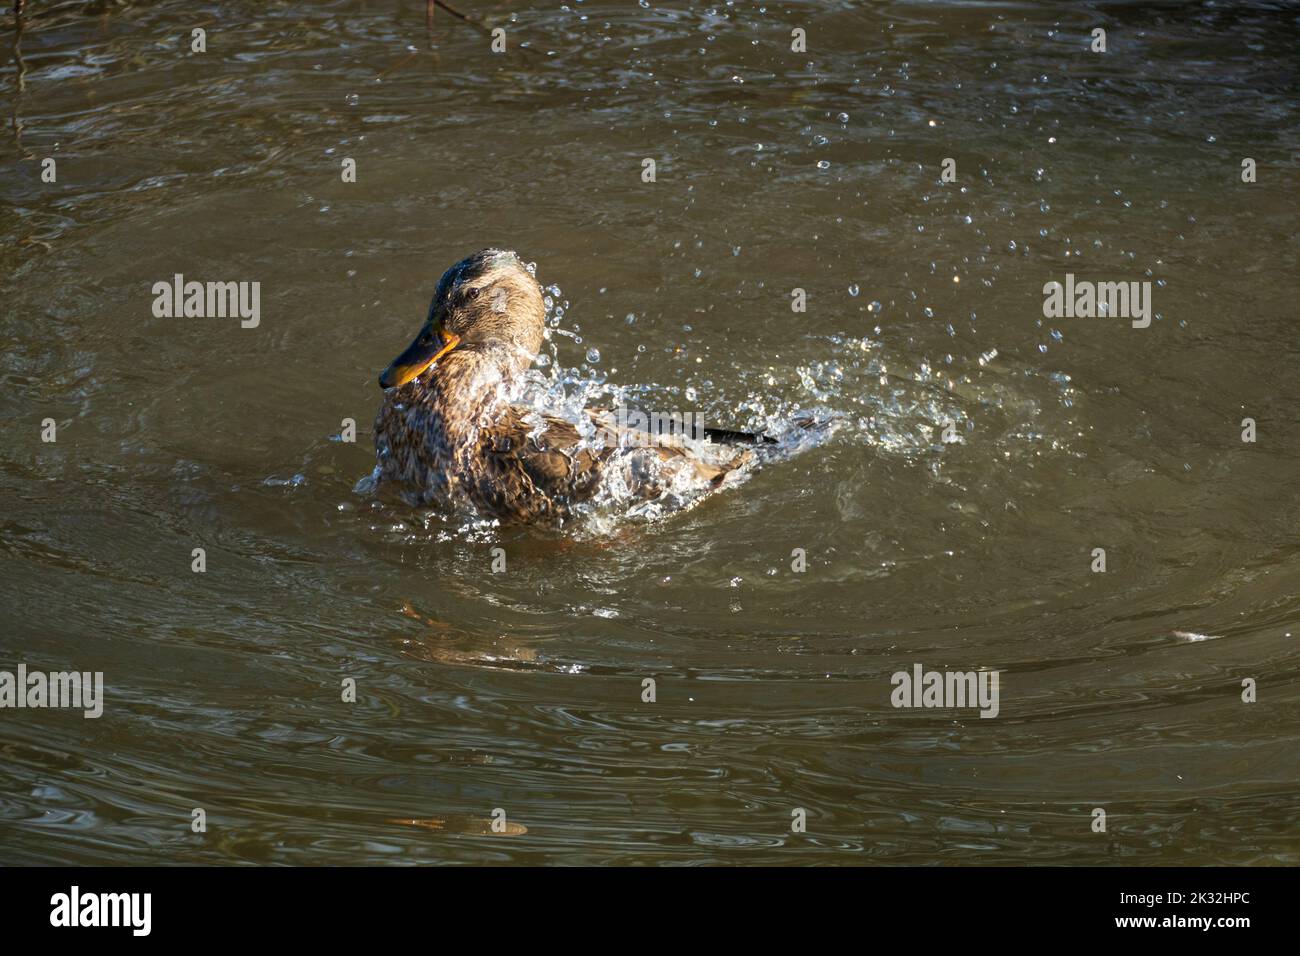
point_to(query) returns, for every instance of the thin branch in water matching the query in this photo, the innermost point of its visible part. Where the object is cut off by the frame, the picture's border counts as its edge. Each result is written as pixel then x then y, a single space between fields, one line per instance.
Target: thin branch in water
pixel 398 65
pixel 475 22
pixel 20 79
pixel 450 9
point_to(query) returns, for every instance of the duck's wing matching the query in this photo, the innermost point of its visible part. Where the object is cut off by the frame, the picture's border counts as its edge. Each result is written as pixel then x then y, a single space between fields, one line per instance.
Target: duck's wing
pixel 535 466
pixel 641 446
pixel 640 423
pixel 538 466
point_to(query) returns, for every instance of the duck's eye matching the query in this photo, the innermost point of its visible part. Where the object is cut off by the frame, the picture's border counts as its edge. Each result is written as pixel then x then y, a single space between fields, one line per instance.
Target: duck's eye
pixel 472 293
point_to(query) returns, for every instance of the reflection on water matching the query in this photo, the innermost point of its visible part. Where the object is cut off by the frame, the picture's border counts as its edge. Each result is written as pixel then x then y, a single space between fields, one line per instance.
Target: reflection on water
pixel 979 454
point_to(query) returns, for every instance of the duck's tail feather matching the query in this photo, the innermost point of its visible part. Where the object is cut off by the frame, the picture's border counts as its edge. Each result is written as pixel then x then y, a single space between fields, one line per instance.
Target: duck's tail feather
pixel 726 436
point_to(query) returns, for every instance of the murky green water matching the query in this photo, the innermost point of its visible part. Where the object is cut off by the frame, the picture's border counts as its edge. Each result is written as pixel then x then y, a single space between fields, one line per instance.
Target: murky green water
pixel 522 691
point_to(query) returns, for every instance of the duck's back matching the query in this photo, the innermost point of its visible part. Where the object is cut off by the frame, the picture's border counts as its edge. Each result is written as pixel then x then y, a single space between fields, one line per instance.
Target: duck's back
pixel 529 467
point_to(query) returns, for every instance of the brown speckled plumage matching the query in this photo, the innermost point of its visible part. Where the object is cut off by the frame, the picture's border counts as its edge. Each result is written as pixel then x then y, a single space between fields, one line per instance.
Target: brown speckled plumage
pixel 452 433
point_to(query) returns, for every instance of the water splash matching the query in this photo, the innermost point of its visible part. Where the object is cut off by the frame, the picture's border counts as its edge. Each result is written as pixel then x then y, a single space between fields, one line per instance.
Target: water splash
pixel 859 393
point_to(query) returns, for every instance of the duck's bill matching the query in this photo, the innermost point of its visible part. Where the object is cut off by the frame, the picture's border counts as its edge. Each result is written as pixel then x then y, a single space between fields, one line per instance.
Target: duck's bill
pixel 429 346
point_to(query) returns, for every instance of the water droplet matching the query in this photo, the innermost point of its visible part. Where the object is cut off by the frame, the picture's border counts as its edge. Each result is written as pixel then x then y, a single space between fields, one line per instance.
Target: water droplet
pixel 593 356
pixel 853 290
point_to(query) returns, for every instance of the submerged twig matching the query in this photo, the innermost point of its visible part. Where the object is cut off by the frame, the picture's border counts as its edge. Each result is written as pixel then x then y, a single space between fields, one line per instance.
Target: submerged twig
pixel 20 79
pixel 400 63
pixel 474 22
pixel 450 9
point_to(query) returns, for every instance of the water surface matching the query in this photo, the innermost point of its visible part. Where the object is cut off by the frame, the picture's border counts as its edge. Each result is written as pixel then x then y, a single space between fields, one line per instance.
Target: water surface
pixel 776 170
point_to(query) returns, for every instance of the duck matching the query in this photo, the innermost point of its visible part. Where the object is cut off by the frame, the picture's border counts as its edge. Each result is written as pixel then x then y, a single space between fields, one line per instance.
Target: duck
pixel 452 431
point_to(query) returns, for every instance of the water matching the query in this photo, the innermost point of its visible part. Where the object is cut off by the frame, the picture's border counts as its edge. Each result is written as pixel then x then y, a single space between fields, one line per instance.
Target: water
pixel 521 690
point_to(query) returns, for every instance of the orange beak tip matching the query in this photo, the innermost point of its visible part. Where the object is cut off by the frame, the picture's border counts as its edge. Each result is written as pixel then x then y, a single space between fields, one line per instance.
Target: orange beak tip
pixel 416 360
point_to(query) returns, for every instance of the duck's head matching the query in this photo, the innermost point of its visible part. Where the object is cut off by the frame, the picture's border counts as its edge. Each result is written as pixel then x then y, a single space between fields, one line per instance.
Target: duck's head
pixel 488 302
